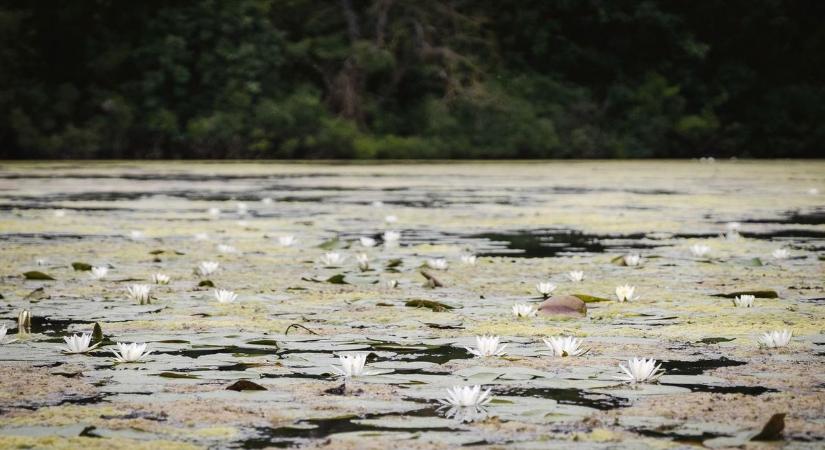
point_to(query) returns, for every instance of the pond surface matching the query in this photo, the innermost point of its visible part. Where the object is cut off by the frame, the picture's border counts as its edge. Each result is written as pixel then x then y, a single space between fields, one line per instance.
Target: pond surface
pixel 525 222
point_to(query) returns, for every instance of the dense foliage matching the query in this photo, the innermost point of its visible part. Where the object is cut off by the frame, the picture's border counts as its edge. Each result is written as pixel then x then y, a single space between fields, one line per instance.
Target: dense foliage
pixel 411 78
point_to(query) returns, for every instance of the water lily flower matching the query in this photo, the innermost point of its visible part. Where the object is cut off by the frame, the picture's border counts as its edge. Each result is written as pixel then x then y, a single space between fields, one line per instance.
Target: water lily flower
pixel 160 278
pixel 470 260
pixel 524 310
pixel 632 260
pixel 24 322
pixel 40 261
pixel 3 331
pixel 225 296
pixel 640 370
pixel 99 272
pixel 287 240
pixel 78 343
pixel 206 268
pixel 487 346
pixel 214 212
pixel 130 353
pixel 437 263
pixel 136 235
pixel 775 339
pixel 223 248
pixel 266 200
pixel 565 346
pixel 368 241
pixel 363 262
pixel 139 292
pixel 545 288
pixel 625 293
pixel 391 237
pixel 378 204
pixel 699 250
pixel 744 301
pixel 392 284
pixel 241 207
pixel 352 365
pixel 781 253
pixel 575 276
pixel 60 213
pixel 391 219
pixel 813 191
pixel 733 226
pixel 466 396
pixel 201 236
pixel 332 259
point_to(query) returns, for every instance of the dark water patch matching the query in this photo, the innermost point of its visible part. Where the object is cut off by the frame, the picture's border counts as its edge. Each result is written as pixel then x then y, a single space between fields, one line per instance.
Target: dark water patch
pixel 695 439
pixel 816 217
pixel 231 350
pixel 283 437
pixel 676 367
pixel 550 242
pixel 786 234
pixel 33 206
pixel 50 236
pixel 52 326
pixel 744 390
pixel 568 396
pixel 434 354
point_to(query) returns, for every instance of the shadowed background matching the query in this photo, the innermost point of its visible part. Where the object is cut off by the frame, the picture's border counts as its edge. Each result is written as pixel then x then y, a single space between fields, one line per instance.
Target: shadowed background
pixel 411 79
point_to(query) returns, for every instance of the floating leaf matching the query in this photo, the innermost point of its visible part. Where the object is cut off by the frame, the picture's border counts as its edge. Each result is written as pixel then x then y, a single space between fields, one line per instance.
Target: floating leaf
pixel 714 340
pixel 754 262
pixel 177 375
pixel 337 279
pixel 765 293
pixel 37 275
pixel 97 333
pixel 590 298
pixel 395 262
pixel 156 252
pixel 36 295
pixel 432 281
pixel 772 431
pixel 206 283
pixel 81 266
pixel 433 305
pixel 264 342
pixel 245 385
pixel 330 244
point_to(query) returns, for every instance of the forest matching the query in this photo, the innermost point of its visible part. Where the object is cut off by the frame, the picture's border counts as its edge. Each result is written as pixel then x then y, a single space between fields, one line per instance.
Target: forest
pixel 423 79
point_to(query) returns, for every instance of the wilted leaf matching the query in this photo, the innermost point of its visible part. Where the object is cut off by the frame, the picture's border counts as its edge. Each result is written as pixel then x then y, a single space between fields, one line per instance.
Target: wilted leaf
pixel 433 305
pixel 37 275
pixel 177 375
pixel 714 340
pixel 245 385
pixel 395 262
pixel 772 431
pixel 81 266
pixel 206 283
pixel 337 279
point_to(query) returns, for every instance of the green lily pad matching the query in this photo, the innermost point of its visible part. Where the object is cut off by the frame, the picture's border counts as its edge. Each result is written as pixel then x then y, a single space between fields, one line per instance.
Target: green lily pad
pixel 590 298
pixel 81 266
pixel 177 375
pixel 206 283
pixel 433 305
pixel 337 279
pixel 714 340
pixel 37 275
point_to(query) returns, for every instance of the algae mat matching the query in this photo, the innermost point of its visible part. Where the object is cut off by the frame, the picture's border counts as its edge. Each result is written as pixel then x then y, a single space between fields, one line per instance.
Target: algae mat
pixel 258 372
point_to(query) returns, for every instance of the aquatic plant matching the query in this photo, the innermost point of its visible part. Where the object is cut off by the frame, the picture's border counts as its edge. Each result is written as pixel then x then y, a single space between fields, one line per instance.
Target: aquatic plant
pixel 206 268
pixel 160 278
pixel 24 322
pixel 225 296
pixel 781 253
pixel 98 272
pixel 352 365
pixel 775 339
pixel 201 236
pixel 223 248
pixel 545 288
pixel 487 346
pixel 625 293
pixel 287 240
pixel 565 346
pixel 391 237
pixel 437 263
pixel 332 259
pixel 469 260
pixel 390 219
pixel 699 250
pixel 139 292
pixel 632 260
pixel 466 396
pixel 3 331
pixel 575 276
pixel 744 301
pixel 367 241
pixel 363 261
pixel 524 310
pixel 641 370
pixel 78 343
pixel 130 353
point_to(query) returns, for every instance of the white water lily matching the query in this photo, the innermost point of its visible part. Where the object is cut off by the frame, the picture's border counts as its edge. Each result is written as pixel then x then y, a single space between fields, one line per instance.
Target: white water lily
pixel 287 240
pixel 206 268
pixel 223 248
pixel 225 296
pixel 813 191
pixel 60 213
pixel 392 284
pixel 625 293
pixel 41 261
pixel 487 346
pixel 632 260
pixel 699 250
pixel 732 235
pixel 437 263
pixel 545 288
pixel 24 322
pixel 139 292
pixel 391 219
pixel 99 272
pixel 744 301
pixel 466 396
pixel 469 260
pixel 78 343
pixel 214 212
pixel 575 276
pixel 332 259
pixel 241 207
pixel 524 310
pixel 733 226
pixel 565 346
pixel 363 261
pixel 781 253
pixel 367 241
pixel 352 365
pixel 266 200
pixel 391 237
pixel 640 370
pixel 136 235
pixel 130 353
pixel 775 339
pixel 201 236
pixel 3 331
pixel 160 278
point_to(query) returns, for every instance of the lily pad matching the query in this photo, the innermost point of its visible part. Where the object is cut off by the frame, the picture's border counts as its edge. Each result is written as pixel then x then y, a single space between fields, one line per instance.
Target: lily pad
pixel 337 279
pixel 431 304
pixel 206 283
pixel 37 275
pixel 245 385
pixel 590 298
pixel 177 375
pixel 714 340
pixel 81 266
